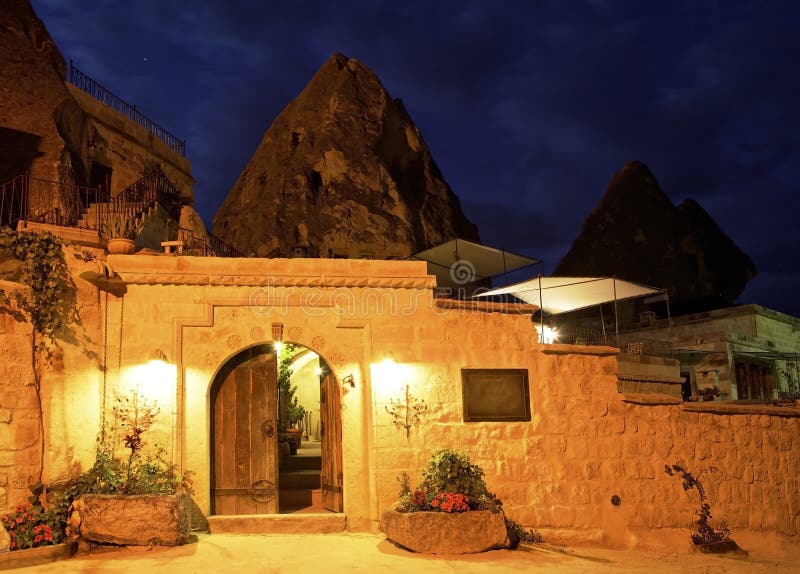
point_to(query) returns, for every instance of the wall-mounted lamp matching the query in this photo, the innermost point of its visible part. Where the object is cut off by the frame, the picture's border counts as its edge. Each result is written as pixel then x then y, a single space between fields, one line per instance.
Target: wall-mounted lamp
pixel 277 331
pixel 348 380
pixel 158 358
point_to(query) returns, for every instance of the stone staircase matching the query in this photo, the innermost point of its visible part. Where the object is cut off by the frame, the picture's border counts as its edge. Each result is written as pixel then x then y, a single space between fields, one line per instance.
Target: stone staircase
pixel 299 480
pixel 96 214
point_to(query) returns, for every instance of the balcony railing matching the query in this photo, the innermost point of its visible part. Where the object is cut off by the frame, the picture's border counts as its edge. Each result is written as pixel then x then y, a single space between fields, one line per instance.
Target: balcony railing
pixel 107 97
pixel 628 343
pixel 25 198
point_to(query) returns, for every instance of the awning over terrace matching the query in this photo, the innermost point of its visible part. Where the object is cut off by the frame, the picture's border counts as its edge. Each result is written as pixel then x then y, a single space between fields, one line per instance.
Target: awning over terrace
pixel 460 261
pixel 562 294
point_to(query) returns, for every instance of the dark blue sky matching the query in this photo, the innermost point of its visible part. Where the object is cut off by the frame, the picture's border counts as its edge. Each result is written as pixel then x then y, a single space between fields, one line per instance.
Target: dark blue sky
pixel 528 107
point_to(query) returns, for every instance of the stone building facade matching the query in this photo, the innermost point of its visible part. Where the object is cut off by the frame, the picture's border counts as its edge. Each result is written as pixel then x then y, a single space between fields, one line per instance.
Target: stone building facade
pixel 588 464
pixel 749 352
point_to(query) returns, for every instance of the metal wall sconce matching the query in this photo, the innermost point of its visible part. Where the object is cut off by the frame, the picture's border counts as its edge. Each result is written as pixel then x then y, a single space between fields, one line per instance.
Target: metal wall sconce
pixel 348 380
pixel 158 357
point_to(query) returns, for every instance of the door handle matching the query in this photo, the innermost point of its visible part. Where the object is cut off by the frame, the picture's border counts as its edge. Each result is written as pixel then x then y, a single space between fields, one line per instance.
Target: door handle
pixel 268 429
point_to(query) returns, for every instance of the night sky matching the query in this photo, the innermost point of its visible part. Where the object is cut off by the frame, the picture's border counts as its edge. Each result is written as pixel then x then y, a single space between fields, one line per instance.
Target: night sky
pixel 528 108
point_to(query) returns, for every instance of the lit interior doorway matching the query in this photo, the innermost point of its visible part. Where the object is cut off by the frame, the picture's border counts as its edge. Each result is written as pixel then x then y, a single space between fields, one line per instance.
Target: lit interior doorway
pixel 275 433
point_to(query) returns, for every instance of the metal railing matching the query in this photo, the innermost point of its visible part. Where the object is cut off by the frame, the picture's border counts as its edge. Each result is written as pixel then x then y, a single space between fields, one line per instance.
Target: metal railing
pixel 220 248
pixel 626 342
pixel 107 97
pixel 13 200
pixel 27 198
pixel 208 246
pixel 36 200
pixel 147 190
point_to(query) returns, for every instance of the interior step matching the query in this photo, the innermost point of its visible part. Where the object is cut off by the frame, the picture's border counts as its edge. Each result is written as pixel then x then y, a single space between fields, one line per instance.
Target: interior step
pixel 295 497
pixel 299 479
pixel 316 523
pixel 291 462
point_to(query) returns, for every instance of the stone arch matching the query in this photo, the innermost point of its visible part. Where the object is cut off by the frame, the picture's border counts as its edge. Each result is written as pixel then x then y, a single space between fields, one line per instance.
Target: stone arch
pixel 250 461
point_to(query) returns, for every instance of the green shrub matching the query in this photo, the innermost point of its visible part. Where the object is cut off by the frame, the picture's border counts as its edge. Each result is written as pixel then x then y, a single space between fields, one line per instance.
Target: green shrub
pixel 448 472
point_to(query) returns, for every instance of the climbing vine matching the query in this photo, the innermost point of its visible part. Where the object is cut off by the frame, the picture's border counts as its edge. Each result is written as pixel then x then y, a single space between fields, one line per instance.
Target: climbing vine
pixel 48 303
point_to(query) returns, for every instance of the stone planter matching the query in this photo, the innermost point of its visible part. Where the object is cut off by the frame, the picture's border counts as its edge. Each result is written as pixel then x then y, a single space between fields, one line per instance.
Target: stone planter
pixel 120 246
pixel 132 520
pixel 443 533
pixel 36 556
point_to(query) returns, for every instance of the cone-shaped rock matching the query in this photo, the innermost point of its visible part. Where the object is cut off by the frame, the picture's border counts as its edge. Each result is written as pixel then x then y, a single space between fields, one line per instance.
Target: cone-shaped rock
pixel 341 172
pixel 637 233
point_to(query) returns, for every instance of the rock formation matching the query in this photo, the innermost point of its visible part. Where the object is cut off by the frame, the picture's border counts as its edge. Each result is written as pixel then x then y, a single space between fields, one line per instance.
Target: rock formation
pixel 636 233
pixel 42 128
pixel 341 172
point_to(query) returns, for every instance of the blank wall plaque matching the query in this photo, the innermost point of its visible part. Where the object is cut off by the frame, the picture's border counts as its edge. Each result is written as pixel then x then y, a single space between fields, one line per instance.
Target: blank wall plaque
pixel 495 395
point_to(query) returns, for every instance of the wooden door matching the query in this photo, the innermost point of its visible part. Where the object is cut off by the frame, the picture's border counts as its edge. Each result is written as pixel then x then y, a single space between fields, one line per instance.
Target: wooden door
pixel 331 436
pixel 246 440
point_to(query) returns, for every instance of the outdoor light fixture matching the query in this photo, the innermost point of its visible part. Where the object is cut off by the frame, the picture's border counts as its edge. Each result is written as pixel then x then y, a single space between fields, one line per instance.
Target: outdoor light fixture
pixel 390 375
pixel 278 347
pixel 547 334
pixel 158 358
pixel 348 380
pixel 277 331
pixel 318 371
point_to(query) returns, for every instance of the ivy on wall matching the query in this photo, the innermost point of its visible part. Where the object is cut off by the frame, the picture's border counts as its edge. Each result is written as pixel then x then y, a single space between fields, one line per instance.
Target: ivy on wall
pixel 48 303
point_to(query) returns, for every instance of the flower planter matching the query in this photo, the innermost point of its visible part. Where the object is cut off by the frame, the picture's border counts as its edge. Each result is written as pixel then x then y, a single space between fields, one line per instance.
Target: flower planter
pixel 133 520
pixel 444 533
pixel 35 556
pixel 120 246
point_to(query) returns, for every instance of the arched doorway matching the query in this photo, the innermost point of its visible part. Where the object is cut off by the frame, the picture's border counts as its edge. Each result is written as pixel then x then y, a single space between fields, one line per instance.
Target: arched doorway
pixel 275 433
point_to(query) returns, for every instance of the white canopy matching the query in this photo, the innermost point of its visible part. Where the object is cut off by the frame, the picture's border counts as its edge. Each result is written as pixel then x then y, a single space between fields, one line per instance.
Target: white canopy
pixel 562 294
pixel 465 261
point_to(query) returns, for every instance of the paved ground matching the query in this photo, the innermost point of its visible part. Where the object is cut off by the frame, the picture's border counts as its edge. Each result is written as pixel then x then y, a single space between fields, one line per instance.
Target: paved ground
pixel 371 553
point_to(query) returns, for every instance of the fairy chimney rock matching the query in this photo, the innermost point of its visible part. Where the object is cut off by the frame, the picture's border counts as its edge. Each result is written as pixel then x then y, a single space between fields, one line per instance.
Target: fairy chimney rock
pixel 635 232
pixel 341 172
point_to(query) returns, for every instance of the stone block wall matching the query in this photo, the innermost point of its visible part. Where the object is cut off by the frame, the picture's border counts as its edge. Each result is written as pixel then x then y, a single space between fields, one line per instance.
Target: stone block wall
pixel 19 420
pixel 586 443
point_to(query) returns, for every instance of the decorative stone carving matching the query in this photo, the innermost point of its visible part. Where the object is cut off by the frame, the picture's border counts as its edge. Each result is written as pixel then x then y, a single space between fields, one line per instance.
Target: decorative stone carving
pixel 234 342
pixel 295 333
pixel 211 359
pixel 443 533
pixel 256 334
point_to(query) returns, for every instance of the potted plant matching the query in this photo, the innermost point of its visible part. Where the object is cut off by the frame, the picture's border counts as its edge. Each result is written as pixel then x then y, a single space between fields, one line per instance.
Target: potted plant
pixel 134 499
pixel 121 232
pixel 138 498
pixel 706 538
pixel 292 412
pixel 451 511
